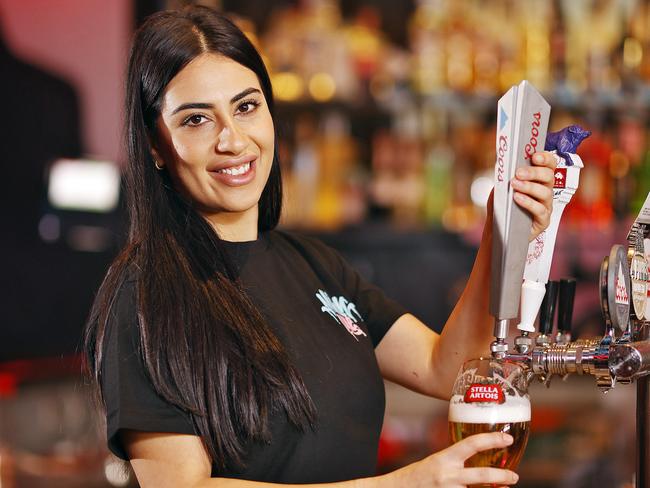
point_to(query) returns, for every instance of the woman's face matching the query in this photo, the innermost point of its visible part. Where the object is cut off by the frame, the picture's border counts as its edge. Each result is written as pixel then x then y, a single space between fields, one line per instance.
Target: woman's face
pixel 215 136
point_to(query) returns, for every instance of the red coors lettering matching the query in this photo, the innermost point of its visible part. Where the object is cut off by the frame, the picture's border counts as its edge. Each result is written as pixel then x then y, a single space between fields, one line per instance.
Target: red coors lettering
pixel 501 152
pixel 484 394
pixel 531 147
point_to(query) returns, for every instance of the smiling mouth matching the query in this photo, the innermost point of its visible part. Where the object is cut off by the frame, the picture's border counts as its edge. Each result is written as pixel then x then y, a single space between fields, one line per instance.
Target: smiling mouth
pixel 237 170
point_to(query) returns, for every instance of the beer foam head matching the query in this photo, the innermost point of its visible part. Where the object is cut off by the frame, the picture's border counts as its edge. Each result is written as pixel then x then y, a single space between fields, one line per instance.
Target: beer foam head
pixel 515 409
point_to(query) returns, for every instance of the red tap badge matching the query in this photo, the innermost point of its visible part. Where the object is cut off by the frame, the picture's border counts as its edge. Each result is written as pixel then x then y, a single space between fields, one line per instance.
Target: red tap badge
pixel 484 394
pixel 560 178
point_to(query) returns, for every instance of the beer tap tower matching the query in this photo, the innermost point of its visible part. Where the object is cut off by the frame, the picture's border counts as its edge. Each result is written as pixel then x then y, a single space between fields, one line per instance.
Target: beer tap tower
pixel 622 355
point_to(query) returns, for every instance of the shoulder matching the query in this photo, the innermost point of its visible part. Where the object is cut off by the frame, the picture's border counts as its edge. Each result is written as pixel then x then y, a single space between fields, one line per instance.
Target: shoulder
pixel 121 319
pixel 125 291
pixel 306 245
pixel 320 258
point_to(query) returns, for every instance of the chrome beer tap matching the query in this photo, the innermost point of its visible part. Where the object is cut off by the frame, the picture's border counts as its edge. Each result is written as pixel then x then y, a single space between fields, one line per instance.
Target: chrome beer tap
pixel 622 354
pixel 520 271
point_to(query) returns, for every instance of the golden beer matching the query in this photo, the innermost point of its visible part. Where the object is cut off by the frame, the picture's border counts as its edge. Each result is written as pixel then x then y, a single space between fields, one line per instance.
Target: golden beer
pixel 512 417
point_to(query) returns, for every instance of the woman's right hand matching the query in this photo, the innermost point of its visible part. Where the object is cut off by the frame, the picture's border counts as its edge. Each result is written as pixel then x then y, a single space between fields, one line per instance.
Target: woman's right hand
pixel 446 469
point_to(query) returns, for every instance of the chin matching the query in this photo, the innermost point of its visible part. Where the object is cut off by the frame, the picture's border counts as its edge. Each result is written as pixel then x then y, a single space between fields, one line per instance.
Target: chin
pixel 235 207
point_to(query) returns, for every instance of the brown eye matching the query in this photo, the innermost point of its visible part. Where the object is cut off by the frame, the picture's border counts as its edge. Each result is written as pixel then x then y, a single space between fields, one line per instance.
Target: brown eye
pixel 247 106
pixel 194 120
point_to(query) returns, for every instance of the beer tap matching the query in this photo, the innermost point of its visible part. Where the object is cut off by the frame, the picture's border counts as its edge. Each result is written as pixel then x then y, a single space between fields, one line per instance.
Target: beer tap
pixel 522 124
pixel 622 354
pixel 523 117
pixel 593 356
pixel 524 342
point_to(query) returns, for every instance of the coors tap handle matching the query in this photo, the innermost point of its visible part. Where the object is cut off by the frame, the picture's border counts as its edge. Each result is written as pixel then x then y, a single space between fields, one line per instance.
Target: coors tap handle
pixel 522 123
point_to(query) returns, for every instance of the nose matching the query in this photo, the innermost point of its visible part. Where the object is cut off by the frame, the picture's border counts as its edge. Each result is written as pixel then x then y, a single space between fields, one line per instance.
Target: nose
pixel 231 139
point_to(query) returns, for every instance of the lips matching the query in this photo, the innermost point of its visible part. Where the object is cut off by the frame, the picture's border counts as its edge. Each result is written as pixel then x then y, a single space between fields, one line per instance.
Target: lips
pixel 237 172
pixel 233 163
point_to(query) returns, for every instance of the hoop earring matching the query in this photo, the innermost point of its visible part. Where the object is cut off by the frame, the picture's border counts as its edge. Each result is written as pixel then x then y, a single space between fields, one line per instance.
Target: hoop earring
pixel 157 165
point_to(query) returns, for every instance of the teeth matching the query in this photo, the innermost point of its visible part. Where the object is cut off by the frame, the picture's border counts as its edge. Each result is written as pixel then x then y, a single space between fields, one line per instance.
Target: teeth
pixel 239 170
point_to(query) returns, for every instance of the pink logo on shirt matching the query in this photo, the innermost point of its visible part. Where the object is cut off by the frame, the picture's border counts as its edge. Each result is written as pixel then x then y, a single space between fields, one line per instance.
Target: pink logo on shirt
pixel 343 311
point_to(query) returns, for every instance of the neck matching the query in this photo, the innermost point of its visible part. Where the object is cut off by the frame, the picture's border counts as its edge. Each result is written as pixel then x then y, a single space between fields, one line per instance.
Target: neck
pixel 235 226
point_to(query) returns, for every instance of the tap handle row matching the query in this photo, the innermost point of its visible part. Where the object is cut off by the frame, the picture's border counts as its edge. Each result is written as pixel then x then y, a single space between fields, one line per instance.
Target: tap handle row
pixel 547 310
pixel 559 294
pixel 565 305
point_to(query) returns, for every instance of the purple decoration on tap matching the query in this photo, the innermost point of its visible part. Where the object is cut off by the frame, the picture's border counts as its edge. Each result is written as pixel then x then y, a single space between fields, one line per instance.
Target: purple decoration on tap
pixel 566 141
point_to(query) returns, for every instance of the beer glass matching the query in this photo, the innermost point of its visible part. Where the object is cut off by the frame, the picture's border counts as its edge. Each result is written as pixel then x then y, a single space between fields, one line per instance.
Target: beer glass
pixel 491 396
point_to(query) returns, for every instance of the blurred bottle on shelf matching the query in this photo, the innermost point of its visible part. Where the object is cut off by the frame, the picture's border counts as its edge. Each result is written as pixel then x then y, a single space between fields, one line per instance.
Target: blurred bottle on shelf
pixel 625 160
pixel 438 165
pixel 437 174
pixel 588 56
pixel 337 155
pixel 366 45
pixel 536 17
pixel 459 49
pixel 397 183
pixel 466 142
pixel 427 44
pixel 557 48
pixel 308 57
pixel 590 51
pixel 302 175
pixel 324 189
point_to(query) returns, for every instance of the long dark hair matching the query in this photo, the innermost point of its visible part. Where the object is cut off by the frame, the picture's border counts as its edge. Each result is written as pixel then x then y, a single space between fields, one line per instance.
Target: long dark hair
pixel 205 346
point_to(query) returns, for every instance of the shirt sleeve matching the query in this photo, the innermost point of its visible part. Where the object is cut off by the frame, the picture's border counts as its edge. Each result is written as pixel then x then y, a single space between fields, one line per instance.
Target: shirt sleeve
pixel 130 398
pixel 379 312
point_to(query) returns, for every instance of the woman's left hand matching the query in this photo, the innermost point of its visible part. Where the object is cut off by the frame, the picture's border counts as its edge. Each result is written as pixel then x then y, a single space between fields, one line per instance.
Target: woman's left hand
pixel 533 188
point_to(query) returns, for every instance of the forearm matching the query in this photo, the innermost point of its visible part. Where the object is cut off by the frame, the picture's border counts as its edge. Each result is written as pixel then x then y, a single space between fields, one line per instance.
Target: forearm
pixel 469 329
pixel 415 357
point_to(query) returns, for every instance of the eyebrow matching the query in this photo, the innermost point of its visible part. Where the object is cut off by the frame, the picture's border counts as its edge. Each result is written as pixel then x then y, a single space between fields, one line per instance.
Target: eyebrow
pixel 234 99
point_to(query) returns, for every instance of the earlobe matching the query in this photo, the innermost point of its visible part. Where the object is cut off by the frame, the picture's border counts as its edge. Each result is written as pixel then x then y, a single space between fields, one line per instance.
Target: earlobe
pixel 157 159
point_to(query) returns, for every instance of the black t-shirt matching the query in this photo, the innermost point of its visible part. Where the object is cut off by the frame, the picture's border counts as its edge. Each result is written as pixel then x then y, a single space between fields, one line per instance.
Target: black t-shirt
pixel 329 320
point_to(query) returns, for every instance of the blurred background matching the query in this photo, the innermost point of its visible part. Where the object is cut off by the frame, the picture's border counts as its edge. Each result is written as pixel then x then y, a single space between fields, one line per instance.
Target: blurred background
pixel 386 112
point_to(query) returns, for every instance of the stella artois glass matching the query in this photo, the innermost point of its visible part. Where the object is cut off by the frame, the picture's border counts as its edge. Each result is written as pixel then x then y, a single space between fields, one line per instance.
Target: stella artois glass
pixel 491 396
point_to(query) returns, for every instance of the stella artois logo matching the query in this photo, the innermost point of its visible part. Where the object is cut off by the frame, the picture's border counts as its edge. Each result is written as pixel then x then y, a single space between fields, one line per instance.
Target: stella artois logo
pixel 484 394
pixel 560 178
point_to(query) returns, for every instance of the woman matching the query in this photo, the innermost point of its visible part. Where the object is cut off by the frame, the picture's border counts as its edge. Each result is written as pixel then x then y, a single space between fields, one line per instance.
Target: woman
pixel 226 348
